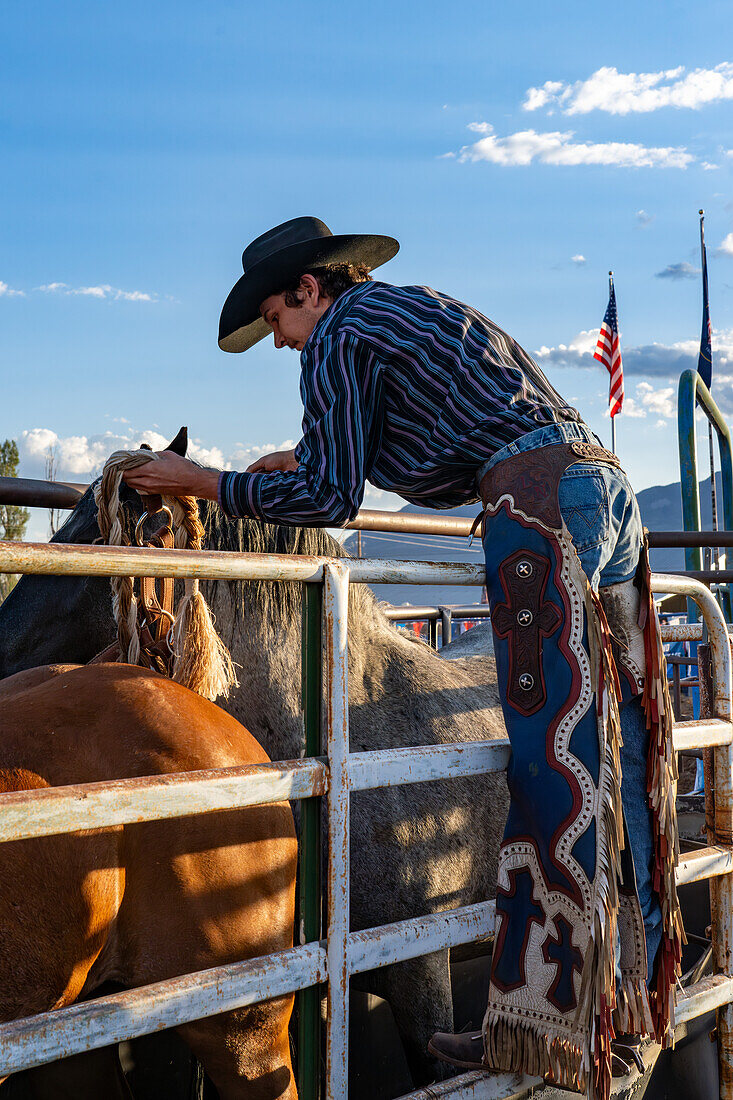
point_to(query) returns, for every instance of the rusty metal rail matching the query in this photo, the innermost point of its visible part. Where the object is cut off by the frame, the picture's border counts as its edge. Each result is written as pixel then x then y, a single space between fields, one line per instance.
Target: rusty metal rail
pixel 35 493
pixel 52 1035
pixel 671 632
pixel 30 493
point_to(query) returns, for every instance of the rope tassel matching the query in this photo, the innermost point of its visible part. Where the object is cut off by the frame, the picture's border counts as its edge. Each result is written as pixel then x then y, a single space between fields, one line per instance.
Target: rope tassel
pixel 201 660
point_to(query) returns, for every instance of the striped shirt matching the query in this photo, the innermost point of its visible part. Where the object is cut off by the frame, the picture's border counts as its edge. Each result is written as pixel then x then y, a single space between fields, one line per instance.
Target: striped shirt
pixel 409 389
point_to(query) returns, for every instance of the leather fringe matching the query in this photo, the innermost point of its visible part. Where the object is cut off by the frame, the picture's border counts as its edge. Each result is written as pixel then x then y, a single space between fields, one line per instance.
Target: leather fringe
pixel 513 1044
pixel 526 1047
pixel 604 994
pixel 662 788
pixel 516 1045
pixel 633 1013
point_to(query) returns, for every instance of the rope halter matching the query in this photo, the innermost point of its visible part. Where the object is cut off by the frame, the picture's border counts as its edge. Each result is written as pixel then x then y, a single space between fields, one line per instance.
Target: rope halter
pixel 201 661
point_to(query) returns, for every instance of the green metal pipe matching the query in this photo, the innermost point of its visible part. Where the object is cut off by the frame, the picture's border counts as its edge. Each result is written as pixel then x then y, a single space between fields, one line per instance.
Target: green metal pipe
pixel 309 853
pixel 691 393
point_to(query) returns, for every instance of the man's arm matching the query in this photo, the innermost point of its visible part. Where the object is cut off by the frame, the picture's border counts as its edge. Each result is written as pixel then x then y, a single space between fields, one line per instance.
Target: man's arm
pixel 174 476
pixel 340 390
pixel 276 460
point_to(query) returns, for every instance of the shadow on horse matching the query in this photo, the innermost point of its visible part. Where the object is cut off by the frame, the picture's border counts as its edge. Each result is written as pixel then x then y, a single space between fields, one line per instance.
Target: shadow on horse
pixel 140 903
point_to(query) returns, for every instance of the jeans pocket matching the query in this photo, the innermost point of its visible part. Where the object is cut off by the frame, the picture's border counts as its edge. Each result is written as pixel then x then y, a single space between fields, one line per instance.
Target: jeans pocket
pixel 585 507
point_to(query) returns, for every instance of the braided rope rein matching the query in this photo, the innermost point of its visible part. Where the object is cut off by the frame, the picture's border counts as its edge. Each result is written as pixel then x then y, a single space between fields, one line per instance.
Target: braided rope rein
pixel 201 661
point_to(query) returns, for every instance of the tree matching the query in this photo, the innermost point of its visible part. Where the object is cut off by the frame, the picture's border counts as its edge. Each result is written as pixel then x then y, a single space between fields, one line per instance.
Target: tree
pixel 51 469
pixel 13 519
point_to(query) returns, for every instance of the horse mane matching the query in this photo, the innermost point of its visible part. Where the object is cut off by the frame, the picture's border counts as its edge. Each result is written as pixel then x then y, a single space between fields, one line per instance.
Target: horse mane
pixel 254 536
pixel 270 599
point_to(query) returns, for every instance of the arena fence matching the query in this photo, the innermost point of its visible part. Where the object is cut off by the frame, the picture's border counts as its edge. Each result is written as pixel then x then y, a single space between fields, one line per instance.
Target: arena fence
pixel 341 953
pixel 443 614
pixel 439 621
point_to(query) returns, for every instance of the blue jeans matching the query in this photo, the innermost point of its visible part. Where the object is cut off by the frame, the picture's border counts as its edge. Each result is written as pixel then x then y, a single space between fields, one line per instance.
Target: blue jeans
pixel 601 513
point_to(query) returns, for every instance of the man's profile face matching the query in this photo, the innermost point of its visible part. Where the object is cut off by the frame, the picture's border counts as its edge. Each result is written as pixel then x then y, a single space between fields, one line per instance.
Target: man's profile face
pixel 292 325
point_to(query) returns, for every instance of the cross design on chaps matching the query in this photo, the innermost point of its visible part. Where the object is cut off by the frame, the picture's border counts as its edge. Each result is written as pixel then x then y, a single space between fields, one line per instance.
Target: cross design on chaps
pixel 566 957
pixel 525 619
pixel 516 912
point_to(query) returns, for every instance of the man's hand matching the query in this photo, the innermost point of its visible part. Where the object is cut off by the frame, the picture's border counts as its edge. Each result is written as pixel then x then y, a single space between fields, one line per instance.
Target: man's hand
pixel 278 460
pixel 173 476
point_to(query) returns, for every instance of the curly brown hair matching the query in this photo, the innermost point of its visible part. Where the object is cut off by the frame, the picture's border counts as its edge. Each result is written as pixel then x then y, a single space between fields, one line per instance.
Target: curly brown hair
pixel 333 279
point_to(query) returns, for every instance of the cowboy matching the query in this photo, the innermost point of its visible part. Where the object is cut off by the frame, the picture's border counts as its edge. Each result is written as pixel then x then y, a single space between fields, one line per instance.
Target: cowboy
pixel 426 397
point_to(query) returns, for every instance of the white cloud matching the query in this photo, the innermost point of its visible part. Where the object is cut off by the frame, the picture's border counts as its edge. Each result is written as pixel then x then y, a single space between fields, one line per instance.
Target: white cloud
pixel 207 456
pixel 624 93
pixel 91 291
pixel 244 455
pixel 708 166
pixel 559 148
pixel 578 259
pixel 542 97
pixel 578 351
pixel 651 361
pixel 8 291
pixel 649 402
pixel 81 457
pixel 659 402
pixel 632 408
pixel 644 219
pixel 381 499
pixel 725 247
pixel 104 290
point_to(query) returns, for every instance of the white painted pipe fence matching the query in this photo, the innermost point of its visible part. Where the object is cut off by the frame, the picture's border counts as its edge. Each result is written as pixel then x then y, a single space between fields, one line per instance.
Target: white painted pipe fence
pixel 51 1035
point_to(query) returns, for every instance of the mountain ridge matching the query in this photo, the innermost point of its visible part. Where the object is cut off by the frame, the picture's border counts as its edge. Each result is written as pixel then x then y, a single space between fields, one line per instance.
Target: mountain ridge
pixel 660 507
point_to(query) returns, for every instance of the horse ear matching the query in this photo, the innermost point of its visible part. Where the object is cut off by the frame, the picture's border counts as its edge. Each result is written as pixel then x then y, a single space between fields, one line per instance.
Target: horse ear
pixel 179 445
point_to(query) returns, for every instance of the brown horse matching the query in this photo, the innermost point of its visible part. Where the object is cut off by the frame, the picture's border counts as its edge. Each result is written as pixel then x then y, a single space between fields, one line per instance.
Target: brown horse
pixel 145 902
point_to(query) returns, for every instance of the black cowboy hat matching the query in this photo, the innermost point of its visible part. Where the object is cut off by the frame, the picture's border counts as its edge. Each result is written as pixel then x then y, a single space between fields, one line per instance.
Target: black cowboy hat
pixel 280 255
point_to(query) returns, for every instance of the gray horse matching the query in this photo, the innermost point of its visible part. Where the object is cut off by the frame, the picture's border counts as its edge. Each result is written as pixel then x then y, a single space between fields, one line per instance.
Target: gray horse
pixel 415 849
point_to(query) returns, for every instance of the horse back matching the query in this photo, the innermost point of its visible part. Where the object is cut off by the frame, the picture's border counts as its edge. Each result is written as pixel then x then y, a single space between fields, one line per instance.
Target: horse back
pixel 153 899
pixel 88 723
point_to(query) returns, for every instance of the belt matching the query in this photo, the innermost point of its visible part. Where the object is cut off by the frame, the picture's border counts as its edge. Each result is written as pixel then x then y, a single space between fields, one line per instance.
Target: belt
pixel 531 478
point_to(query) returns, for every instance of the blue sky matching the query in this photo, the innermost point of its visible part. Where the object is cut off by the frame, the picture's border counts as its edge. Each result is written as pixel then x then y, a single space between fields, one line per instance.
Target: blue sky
pixel 142 146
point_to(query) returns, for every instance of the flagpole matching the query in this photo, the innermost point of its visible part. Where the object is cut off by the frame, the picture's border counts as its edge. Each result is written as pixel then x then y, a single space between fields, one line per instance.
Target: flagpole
pixel 713 493
pixel 613 418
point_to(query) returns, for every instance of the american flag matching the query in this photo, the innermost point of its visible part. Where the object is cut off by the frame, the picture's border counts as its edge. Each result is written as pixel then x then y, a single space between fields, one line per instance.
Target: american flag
pixel 608 352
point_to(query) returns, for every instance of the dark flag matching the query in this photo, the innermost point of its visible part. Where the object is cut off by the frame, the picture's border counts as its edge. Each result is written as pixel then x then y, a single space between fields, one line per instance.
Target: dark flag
pixel 705 358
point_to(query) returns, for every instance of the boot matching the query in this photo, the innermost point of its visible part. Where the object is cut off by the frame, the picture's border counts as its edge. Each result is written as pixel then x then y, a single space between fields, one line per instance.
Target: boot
pixel 626 1055
pixel 465 1051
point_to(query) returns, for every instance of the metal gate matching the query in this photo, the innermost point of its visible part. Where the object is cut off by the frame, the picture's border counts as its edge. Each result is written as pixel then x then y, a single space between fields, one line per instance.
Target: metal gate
pixel 48 1036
